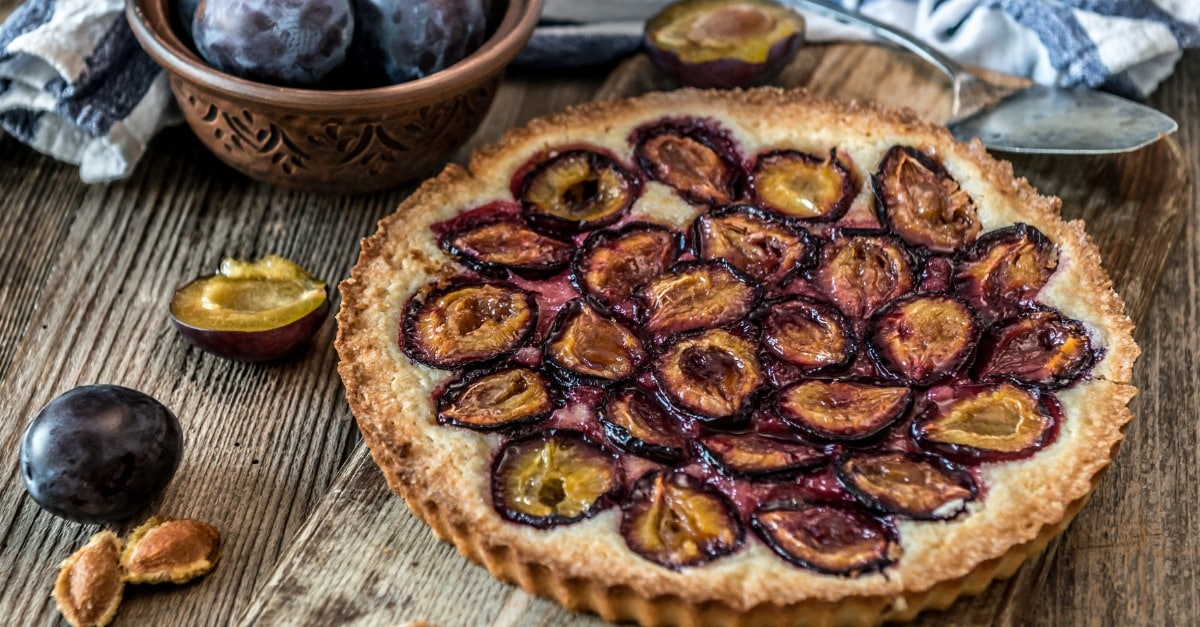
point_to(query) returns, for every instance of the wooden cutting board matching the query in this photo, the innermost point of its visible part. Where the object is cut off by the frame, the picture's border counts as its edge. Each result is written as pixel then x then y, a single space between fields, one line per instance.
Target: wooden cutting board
pixel 362 558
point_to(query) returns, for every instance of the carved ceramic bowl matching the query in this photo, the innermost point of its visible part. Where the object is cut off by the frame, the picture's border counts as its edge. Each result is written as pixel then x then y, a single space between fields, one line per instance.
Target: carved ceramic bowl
pixel 333 141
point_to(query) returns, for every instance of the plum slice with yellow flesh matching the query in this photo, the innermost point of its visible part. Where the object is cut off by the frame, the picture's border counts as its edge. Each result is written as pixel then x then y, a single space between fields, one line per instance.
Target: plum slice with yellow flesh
pixel 493 246
pixel 694 157
pixel 503 398
pixel 251 310
pixel 755 456
pixel 860 272
pixel 985 423
pixel 919 201
pixel 723 43
pixel 468 322
pixel 763 247
pixel 635 422
pixel 712 375
pixel 612 264
pixel 811 336
pixel 577 190
pixel 555 477
pixel 1039 347
pixel 587 347
pixel 842 410
pixel 1004 271
pixel 925 338
pixel 802 186
pixel 676 521
pixel 915 485
pixel 828 538
pixel 696 294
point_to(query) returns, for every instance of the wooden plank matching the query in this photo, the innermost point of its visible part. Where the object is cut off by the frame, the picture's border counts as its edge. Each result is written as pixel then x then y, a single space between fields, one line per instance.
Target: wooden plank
pixel 1128 200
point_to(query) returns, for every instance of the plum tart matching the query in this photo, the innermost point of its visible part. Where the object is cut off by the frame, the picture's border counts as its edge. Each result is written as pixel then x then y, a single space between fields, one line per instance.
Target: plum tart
pixel 741 357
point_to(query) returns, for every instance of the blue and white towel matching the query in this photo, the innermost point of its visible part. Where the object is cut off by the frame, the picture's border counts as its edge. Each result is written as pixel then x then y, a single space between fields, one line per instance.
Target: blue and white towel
pixel 75 85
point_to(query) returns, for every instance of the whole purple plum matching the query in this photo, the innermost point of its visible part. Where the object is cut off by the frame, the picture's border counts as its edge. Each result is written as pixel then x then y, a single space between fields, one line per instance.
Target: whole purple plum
pixel 288 42
pixel 409 39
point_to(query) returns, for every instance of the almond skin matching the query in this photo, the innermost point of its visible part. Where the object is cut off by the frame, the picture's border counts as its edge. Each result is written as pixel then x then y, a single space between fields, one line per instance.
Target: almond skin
pixel 89 586
pixel 163 549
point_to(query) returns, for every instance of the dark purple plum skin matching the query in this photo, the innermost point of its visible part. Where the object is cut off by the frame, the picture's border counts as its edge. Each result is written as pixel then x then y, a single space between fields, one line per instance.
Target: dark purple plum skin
pixel 282 42
pixel 100 453
pixel 269 345
pixel 411 39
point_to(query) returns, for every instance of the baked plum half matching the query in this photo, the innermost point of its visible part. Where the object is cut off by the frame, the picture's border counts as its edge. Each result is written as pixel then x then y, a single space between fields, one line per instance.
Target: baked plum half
pixel 1003 272
pixel 919 201
pixel 504 398
pixel 696 294
pixel 577 190
pixel 810 336
pixel 749 239
pixel 611 264
pixel 697 158
pixel 635 422
pixel 468 322
pixel 859 272
pixel 803 186
pixel 251 310
pixel 915 485
pixel 496 246
pixel 675 520
pixel 986 423
pixel 555 477
pixel 845 411
pixel 1039 348
pixel 925 338
pixel 589 348
pixel 835 539
pixel 711 375
pixel 756 456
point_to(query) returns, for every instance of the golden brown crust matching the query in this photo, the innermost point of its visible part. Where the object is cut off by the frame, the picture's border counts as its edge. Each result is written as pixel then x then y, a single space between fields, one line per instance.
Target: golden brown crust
pixel 443 473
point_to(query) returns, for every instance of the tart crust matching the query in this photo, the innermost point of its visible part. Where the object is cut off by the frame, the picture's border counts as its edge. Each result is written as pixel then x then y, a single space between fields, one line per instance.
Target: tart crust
pixel 443 473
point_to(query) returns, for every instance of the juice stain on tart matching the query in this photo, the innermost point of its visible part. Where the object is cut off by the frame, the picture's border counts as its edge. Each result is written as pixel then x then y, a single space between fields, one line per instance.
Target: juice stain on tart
pixel 815 386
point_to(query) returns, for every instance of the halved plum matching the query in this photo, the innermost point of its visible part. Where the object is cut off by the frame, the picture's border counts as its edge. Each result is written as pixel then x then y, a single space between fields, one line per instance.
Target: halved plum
pixel 802 186
pixel 635 422
pixel 919 201
pixel 924 338
pixel 812 336
pixel 587 347
pixel 756 456
pixel 986 423
pixel 504 398
pixel 915 485
pixel 468 322
pixel 495 246
pixel 1039 347
pixel 761 245
pixel 712 375
pixel 696 158
pixel 555 477
pixel 251 310
pixel 842 410
pixel 612 264
pixel 676 521
pixel 1005 269
pixel 696 294
pixel 829 538
pixel 723 43
pixel 577 190
pixel 859 272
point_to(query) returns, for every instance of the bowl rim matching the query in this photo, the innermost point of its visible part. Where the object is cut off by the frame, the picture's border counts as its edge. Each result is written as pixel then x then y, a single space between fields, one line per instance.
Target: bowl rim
pixel 510 36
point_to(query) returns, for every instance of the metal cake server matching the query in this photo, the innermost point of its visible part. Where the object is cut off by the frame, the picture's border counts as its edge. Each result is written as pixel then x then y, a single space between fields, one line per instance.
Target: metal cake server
pixel 1022 116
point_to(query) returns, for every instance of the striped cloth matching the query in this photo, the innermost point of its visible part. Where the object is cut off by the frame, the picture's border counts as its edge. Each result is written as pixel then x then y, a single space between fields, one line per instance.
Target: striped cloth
pixel 75 85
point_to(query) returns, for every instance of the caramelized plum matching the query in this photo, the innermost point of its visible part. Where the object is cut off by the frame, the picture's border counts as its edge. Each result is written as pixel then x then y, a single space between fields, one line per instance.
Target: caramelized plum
pixel 635 422
pixel 801 186
pixel 674 520
pixel 986 422
pixel 842 410
pixel 495 246
pixel 923 339
pixel 920 486
pixel 696 158
pixel 827 538
pixel 496 399
pixel 1005 269
pixel 577 190
pixel 711 375
pixel 696 294
pixel 752 241
pixel 918 199
pixel 758 456
pixel 811 336
pixel 612 264
pixel 553 478
pixel 859 272
pixel 723 43
pixel 468 322
pixel 587 347
pixel 1040 348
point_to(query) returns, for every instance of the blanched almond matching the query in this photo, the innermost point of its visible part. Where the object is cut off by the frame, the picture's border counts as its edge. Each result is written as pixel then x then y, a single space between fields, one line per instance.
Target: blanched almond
pixel 89 586
pixel 163 549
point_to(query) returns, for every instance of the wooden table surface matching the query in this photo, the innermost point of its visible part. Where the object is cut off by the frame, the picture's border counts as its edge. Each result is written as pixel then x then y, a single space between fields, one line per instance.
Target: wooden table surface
pixel 86 272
